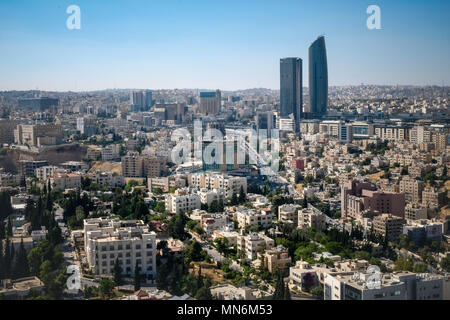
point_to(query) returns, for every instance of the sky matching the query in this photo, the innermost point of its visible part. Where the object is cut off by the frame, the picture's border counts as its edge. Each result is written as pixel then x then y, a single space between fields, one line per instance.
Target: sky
pixel 209 44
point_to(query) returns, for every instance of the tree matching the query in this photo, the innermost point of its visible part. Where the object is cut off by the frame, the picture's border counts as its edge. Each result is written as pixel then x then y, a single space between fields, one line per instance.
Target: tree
pixel 35 260
pixel 7 259
pixel 445 264
pixel 2 230
pixel 176 227
pixel 317 292
pixel 9 230
pixel 21 268
pixel 279 288
pixel 117 273
pixel 137 277
pixel 194 252
pixel 287 293
pixel 105 288
pixel 2 271
pixel 242 196
pixel 234 200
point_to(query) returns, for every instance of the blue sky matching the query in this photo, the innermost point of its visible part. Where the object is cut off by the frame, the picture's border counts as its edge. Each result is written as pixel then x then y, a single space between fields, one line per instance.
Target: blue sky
pixel 232 44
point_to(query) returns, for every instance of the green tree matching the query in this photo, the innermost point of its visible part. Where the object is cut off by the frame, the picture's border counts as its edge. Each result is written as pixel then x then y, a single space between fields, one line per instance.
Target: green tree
pixel 21 268
pixel 105 288
pixel 279 288
pixel 287 293
pixel 317 292
pixel 194 252
pixel 242 196
pixel 117 273
pixel 234 200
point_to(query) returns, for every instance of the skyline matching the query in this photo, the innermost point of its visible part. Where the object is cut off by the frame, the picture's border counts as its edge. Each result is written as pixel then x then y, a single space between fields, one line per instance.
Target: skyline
pixel 231 46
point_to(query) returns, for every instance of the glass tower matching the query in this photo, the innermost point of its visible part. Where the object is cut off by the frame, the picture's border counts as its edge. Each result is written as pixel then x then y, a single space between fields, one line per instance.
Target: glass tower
pixel 318 77
pixel 291 99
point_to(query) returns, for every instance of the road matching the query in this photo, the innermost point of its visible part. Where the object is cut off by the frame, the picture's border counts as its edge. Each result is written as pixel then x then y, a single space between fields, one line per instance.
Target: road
pixel 68 250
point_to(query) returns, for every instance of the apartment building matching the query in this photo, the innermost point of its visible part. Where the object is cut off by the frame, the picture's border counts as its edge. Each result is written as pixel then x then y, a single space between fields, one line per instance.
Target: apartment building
pixel 208 196
pixel 165 183
pixel 109 179
pixel 388 225
pixel 182 201
pixel 415 212
pixel 253 244
pixel 288 213
pixel 277 259
pixel 153 166
pixel 94 153
pixel 412 189
pixel 110 152
pixel 397 286
pixel 28 168
pixel 130 242
pixel 132 165
pixel 231 185
pixel 300 271
pixel 432 197
pixel 38 134
pixel 7 130
pixel 310 218
pixel 9 179
pixel 254 218
pixel 63 181
pixel 44 173
pixel 419 231
pixel 213 221
pixel 358 196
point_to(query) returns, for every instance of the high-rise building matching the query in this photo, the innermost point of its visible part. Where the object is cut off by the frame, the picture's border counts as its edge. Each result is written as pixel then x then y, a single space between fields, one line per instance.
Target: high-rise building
pixel 318 77
pixel 210 102
pixel 132 165
pixel 291 98
pixel 148 97
pixel 137 101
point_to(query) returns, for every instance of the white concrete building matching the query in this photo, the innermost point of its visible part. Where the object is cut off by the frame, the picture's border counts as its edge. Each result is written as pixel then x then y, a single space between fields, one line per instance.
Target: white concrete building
pixel 254 243
pixel 208 196
pixel 254 218
pixel 231 185
pixel 130 242
pixel 182 201
pixel 288 213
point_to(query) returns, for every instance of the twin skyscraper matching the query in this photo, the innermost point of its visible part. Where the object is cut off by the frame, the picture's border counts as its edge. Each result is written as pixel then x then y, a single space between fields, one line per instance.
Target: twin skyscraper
pixel 291 84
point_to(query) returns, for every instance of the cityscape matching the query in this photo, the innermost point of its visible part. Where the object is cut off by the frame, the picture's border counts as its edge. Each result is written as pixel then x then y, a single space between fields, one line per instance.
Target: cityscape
pixel 308 191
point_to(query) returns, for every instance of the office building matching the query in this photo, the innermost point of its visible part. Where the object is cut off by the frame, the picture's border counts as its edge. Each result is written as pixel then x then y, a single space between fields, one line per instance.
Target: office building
pixel 210 103
pixel 318 77
pixel 291 97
